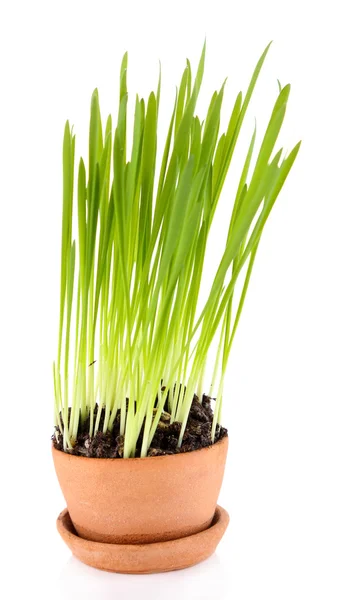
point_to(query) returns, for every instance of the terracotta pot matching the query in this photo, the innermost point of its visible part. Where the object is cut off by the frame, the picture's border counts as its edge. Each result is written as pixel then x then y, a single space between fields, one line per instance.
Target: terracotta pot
pixel 142 500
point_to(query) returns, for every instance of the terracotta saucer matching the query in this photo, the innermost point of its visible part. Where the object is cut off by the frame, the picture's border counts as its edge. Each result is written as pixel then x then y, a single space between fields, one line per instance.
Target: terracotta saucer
pixel 145 558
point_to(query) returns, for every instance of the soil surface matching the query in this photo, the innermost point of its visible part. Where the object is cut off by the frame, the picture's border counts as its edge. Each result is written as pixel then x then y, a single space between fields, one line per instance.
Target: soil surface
pixel 110 445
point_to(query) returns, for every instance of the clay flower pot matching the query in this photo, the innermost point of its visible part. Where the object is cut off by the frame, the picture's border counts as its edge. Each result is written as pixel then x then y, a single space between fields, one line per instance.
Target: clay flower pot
pixel 143 501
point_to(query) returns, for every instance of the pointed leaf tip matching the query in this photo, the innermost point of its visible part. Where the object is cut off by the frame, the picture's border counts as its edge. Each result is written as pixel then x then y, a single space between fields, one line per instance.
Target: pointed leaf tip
pixel 124 63
pixel 284 94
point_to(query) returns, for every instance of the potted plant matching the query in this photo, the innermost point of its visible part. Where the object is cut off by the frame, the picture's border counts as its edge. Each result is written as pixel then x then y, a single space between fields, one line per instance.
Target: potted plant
pixel 138 449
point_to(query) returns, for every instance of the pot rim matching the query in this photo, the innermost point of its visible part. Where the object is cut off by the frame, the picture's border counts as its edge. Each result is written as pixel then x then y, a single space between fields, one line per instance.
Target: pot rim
pixel 165 457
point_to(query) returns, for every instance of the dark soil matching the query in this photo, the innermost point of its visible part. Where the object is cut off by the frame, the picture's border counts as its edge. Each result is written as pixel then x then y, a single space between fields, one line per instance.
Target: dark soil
pixel 110 445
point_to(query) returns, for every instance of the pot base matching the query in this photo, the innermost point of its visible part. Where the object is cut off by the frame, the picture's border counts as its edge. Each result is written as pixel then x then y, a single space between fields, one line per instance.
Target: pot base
pixel 157 557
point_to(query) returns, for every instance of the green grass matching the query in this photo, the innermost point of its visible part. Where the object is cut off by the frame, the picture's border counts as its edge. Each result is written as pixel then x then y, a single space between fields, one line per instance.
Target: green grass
pixel 131 325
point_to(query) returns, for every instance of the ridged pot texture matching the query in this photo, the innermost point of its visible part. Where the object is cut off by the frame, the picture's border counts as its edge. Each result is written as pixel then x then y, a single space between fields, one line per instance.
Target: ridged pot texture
pixel 142 500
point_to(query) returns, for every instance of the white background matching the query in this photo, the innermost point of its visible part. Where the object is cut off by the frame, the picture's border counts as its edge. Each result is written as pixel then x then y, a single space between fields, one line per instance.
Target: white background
pixel 284 396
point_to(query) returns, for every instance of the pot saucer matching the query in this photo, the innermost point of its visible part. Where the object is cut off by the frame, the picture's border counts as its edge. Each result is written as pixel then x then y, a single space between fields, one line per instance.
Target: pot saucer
pixel 145 558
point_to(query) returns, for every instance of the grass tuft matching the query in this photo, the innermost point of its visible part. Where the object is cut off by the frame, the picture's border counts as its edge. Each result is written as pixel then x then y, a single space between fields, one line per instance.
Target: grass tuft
pixel 130 282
